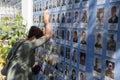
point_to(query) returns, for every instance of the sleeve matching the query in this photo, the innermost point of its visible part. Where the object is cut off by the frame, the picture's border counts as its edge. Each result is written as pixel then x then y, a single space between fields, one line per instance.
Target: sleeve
pixel 32 58
pixel 38 42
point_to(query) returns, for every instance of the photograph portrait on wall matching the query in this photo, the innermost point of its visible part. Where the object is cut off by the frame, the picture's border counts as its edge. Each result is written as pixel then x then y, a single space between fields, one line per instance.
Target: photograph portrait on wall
pixel 113 18
pixel 100 18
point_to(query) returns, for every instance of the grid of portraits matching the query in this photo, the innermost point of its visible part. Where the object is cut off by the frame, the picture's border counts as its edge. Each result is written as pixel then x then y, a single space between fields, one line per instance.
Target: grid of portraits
pixel 83 44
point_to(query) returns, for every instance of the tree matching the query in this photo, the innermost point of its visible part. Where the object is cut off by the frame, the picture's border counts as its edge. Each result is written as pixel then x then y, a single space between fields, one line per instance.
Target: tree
pixel 10 32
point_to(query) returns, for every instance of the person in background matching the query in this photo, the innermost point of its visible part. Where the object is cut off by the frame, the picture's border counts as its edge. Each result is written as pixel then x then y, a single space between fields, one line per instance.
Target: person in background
pixel 23 61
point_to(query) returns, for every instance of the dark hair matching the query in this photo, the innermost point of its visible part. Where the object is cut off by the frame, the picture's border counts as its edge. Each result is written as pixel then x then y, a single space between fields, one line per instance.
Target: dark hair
pixel 35 31
pixel 112 37
pixel 99 35
pixel 83 32
pixel 73 71
pixel 76 12
pixel 113 8
pixel 75 32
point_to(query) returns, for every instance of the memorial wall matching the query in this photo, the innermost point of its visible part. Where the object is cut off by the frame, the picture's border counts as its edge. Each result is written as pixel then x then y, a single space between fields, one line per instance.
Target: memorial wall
pixel 85 40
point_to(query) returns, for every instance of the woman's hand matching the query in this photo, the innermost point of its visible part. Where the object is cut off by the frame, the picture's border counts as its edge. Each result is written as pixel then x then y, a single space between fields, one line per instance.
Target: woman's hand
pixel 46 17
pixel 47 24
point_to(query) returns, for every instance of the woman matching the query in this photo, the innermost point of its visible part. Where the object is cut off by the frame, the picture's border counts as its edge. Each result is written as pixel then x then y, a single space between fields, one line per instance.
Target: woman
pixel 21 64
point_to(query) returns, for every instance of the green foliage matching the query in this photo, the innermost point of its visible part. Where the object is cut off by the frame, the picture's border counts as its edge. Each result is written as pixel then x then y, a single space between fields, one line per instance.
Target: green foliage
pixel 5 50
pixel 11 30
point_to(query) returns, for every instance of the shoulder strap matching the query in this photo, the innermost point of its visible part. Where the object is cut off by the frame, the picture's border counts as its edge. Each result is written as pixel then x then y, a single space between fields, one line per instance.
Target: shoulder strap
pixel 21 42
pixel 14 53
